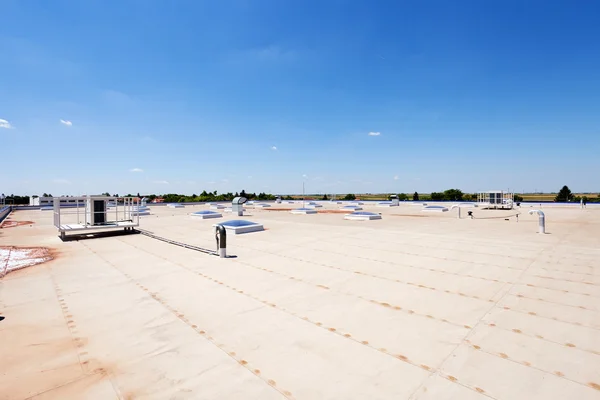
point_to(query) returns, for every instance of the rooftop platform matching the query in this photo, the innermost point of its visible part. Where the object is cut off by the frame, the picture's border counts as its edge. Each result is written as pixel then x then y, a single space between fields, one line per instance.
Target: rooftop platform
pixel 418 306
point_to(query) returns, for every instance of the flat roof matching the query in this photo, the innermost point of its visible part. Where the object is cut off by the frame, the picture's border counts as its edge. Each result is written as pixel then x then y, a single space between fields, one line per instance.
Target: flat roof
pixel 413 307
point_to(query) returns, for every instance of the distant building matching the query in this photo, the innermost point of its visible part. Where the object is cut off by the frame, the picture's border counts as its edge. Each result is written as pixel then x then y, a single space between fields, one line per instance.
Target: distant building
pixel 48 201
pixel 43 201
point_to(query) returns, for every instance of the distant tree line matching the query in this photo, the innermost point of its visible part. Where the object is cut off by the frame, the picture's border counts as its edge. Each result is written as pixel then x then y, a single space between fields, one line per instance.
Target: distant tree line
pixel 564 195
pixel 14 199
pixel 210 196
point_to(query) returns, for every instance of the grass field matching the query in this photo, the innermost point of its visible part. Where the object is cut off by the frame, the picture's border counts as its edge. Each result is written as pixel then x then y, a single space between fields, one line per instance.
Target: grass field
pixel 533 197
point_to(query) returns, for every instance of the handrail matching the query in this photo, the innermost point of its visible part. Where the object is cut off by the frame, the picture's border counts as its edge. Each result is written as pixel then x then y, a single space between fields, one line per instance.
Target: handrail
pixel 4 212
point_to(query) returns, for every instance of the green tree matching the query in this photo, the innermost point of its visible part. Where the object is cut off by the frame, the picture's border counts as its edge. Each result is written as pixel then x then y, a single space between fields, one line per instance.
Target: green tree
pixel 350 196
pixel 453 195
pixel 325 197
pixel 415 196
pixel 402 196
pixel 564 195
pixel 436 196
pixel 518 198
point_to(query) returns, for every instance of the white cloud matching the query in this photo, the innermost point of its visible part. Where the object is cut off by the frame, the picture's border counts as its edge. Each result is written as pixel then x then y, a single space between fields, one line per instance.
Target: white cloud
pixel 61 181
pixel 136 170
pixel 374 133
pixel 162 182
pixel 274 148
pixel 305 176
pixel 5 124
pixel 396 178
pixel 66 122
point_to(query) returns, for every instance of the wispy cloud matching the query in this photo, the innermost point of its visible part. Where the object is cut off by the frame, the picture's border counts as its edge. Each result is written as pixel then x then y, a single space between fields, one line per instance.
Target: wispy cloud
pixel 374 133
pixel 66 122
pixel 136 170
pixel 5 124
pixel 396 177
pixel 61 181
pixel 161 182
pixel 274 148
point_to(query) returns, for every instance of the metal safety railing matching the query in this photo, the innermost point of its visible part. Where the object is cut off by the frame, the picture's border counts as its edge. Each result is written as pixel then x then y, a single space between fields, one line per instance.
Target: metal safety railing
pixel 81 211
pixel 4 211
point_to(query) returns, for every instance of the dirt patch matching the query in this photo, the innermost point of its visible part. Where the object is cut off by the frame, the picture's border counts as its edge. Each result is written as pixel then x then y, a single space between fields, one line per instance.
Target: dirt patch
pixel 13 258
pixel 11 224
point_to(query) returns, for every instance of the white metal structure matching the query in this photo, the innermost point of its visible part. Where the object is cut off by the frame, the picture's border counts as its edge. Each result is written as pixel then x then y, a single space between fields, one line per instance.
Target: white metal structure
pixel 89 213
pixel 241 226
pixel 435 209
pixel 496 199
pixel 175 205
pixel 303 210
pixel 362 216
pixel 206 214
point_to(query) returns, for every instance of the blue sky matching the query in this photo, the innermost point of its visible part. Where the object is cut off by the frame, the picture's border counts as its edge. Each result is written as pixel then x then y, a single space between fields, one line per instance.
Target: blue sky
pixel 185 96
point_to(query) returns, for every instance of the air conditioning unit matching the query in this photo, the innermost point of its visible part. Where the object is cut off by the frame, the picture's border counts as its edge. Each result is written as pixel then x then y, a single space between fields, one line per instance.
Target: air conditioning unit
pixel 95 211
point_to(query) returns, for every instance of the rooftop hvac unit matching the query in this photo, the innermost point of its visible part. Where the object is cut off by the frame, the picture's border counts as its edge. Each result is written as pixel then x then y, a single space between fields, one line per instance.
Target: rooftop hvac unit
pixel 95 211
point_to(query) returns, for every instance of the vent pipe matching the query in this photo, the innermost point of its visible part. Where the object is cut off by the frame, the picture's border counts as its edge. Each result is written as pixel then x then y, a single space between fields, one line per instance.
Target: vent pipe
pixel 457 206
pixel 542 220
pixel 221 237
